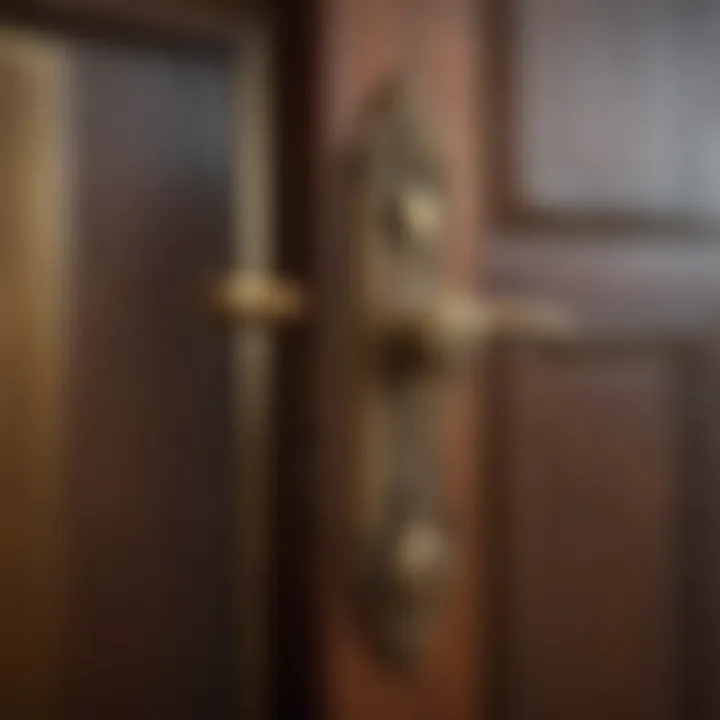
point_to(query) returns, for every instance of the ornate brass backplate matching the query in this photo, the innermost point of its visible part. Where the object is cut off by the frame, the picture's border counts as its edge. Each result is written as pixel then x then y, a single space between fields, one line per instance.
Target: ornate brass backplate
pixel 409 332
pixel 400 546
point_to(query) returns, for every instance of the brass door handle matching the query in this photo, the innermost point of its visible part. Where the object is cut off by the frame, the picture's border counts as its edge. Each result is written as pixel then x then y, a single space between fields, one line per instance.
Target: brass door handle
pixel 252 297
pixel 459 326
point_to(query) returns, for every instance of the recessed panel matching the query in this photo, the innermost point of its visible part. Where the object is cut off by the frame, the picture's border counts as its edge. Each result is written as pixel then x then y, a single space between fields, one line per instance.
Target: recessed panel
pixel 615 105
pixel 592 516
pixel 151 447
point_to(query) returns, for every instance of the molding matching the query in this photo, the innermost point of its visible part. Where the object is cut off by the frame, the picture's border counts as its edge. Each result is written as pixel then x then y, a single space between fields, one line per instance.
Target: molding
pixel 34 242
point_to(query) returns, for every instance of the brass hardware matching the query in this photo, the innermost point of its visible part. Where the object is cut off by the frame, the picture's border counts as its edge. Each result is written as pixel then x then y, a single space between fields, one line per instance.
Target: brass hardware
pixel 405 330
pixel 409 330
pixel 420 553
pixel 455 326
pixel 253 297
pixel 420 215
pixel 400 545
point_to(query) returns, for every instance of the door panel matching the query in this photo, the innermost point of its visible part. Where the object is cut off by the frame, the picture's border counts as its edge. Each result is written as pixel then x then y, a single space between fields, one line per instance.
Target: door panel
pixel 595 480
pixel 602 454
pixel 151 466
pixel 117 463
pixel 612 109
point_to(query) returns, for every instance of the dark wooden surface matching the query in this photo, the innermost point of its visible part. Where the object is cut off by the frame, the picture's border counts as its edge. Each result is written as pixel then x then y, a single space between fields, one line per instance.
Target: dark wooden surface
pixel 34 242
pixel 204 21
pixel 150 496
pixel 595 456
pixel 295 688
pixel 604 464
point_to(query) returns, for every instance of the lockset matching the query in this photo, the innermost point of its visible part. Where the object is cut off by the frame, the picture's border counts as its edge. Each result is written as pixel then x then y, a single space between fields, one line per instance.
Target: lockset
pixel 408 331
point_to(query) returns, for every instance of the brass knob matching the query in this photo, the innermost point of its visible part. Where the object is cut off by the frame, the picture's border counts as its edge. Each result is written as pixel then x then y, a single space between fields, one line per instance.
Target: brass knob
pixel 421 556
pixel 420 216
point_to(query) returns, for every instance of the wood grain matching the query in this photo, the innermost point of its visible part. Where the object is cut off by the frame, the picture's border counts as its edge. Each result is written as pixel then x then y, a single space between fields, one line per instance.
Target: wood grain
pixel 594 490
pixel 151 444
pixel 606 458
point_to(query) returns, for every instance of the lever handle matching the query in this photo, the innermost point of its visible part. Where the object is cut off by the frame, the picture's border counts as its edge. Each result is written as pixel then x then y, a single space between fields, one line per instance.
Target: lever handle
pixel 252 297
pixel 457 326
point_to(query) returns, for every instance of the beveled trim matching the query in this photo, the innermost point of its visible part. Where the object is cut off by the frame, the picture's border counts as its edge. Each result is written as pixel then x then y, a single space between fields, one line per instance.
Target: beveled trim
pixel 254 355
pixel 35 143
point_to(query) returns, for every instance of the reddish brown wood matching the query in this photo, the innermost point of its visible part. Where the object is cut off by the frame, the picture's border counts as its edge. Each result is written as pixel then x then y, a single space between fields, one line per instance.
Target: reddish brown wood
pixel 592 499
pixel 356 48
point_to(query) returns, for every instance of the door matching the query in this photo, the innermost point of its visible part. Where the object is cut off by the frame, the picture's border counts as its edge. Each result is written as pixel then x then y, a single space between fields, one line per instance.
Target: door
pixel 580 140
pixel 130 529
pixel 576 475
pixel 603 181
pixel 118 451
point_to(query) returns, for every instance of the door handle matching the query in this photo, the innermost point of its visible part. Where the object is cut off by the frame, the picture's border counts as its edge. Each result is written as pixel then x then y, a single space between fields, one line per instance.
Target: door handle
pixel 457 326
pixel 408 332
pixel 247 296
pixel 411 331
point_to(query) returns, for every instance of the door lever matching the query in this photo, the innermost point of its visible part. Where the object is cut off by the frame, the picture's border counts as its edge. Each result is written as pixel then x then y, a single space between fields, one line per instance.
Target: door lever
pixel 253 297
pixel 456 326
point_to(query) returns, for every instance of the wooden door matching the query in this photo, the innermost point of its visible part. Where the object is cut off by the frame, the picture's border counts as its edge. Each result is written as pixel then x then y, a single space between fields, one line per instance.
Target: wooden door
pixel 580 149
pixel 150 431
pixel 118 452
pixel 134 541
pixel 581 139
pixel 604 182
